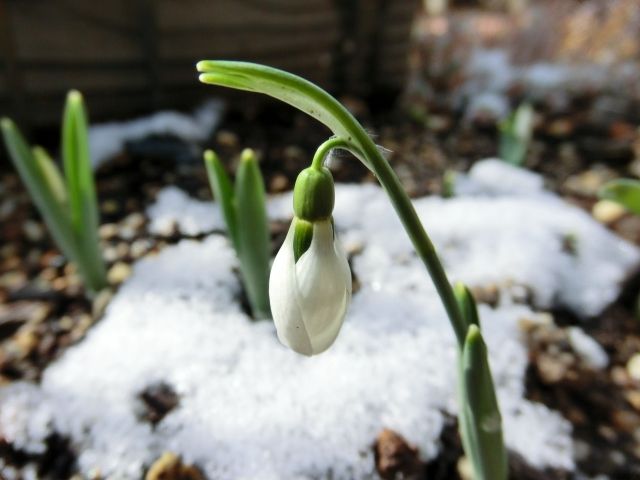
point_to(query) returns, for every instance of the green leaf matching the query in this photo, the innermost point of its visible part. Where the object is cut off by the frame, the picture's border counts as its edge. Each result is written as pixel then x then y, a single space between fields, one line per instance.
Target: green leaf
pixel 467 304
pixel 223 192
pixel 51 174
pixel 624 191
pixel 515 135
pixel 41 188
pixel 81 190
pixel 480 419
pixel 253 233
pixel 290 89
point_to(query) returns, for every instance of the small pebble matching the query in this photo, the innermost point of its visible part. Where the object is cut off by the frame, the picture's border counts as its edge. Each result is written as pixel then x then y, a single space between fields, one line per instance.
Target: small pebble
pixel 109 206
pixel 110 253
pixel 13 280
pixel 139 247
pixel 33 230
pixel 633 367
pixel 170 467
pixel 82 325
pixel 633 397
pixel 26 341
pixel 581 450
pixel 65 323
pixel 588 183
pixel 625 420
pixel 607 211
pixel 279 183
pixel 118 273
pixel 620 376
pixel 227 139
pixel 127 233
pixel 7 208
pixel 464 468
pixel 59 284
pixel 108 231
pixel 122 249
pixel 561 127
pixel 135 221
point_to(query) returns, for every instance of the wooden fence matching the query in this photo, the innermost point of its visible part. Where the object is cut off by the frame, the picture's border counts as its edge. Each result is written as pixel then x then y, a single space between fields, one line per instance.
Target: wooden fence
pixel 133 56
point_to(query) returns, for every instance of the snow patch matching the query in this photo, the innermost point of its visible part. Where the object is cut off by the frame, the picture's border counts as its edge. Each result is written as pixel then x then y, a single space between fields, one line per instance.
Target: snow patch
pixel 106 140
pixel 249 408
pixel 490 74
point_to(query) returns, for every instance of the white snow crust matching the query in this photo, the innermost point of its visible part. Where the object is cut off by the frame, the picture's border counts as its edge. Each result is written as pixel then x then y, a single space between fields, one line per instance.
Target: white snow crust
pixel 106 140
pixel 490 73
pixel 251 409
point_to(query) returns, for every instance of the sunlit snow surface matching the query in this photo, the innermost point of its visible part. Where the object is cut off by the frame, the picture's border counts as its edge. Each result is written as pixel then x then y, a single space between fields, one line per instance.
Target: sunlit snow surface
pixel 251 409
pixel 106 140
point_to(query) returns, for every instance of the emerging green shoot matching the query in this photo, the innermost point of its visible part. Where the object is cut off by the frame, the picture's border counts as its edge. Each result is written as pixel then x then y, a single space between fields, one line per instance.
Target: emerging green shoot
pixel 479 419
pixel 515 135
pixel 244 212
pixel 81 190
pixel 624 191
pixel 68 206
pixel 480 414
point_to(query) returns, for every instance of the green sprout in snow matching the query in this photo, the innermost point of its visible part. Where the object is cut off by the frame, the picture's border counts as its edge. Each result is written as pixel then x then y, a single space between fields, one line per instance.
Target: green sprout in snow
pixel 68 205
pixel 624 191
pixel 480 422
pixel 515 135
pixel 244 212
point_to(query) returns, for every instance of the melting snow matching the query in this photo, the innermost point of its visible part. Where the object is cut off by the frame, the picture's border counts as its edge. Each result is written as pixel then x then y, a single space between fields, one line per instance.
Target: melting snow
pixel 108 139
pixel 251 409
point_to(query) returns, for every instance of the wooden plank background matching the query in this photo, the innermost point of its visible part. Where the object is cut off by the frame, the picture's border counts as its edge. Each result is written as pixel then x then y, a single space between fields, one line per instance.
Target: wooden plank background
pixel 133 56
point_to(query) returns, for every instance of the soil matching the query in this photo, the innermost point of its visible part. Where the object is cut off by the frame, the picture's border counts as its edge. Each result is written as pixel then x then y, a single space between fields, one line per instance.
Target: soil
pixel 44 309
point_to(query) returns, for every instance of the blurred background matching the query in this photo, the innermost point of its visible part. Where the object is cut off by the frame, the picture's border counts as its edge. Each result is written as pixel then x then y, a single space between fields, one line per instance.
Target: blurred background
pixel 433 81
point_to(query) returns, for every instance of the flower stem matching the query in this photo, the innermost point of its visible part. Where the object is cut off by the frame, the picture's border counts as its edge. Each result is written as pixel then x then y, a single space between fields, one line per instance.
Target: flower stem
pixel 325 148
pixel 404 208
pixel 421 241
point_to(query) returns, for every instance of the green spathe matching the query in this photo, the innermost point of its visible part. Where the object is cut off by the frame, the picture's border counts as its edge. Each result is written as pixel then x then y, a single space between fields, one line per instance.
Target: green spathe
pixel 302 236
pixel 314 194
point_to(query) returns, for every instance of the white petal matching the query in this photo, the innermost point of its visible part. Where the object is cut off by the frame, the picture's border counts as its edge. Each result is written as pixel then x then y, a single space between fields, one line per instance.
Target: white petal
pixel 283 296
pixel 324 287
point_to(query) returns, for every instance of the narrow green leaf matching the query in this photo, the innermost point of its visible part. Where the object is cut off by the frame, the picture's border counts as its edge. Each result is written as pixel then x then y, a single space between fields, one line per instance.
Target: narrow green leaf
pixel 291 89
pixel 624 191
pixel 253 232
pixel 467 304
pixel 515 135
pixel 40 189
pixel 81 190
pixel 51 174
pixel 77 165
pixel 512 150
pixel 483 421
pixel 222 192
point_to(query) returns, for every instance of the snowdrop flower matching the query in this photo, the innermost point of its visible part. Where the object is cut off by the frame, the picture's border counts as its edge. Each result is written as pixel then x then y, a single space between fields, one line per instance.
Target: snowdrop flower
pixel 310 282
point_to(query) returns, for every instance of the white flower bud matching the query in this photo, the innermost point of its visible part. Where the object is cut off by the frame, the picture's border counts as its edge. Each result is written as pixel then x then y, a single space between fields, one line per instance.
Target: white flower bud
pixel 309 298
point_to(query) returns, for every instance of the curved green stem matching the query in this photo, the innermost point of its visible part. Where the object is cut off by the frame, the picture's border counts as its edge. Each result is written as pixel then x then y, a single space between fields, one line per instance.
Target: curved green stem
pixel 325 148
pixel 421 241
